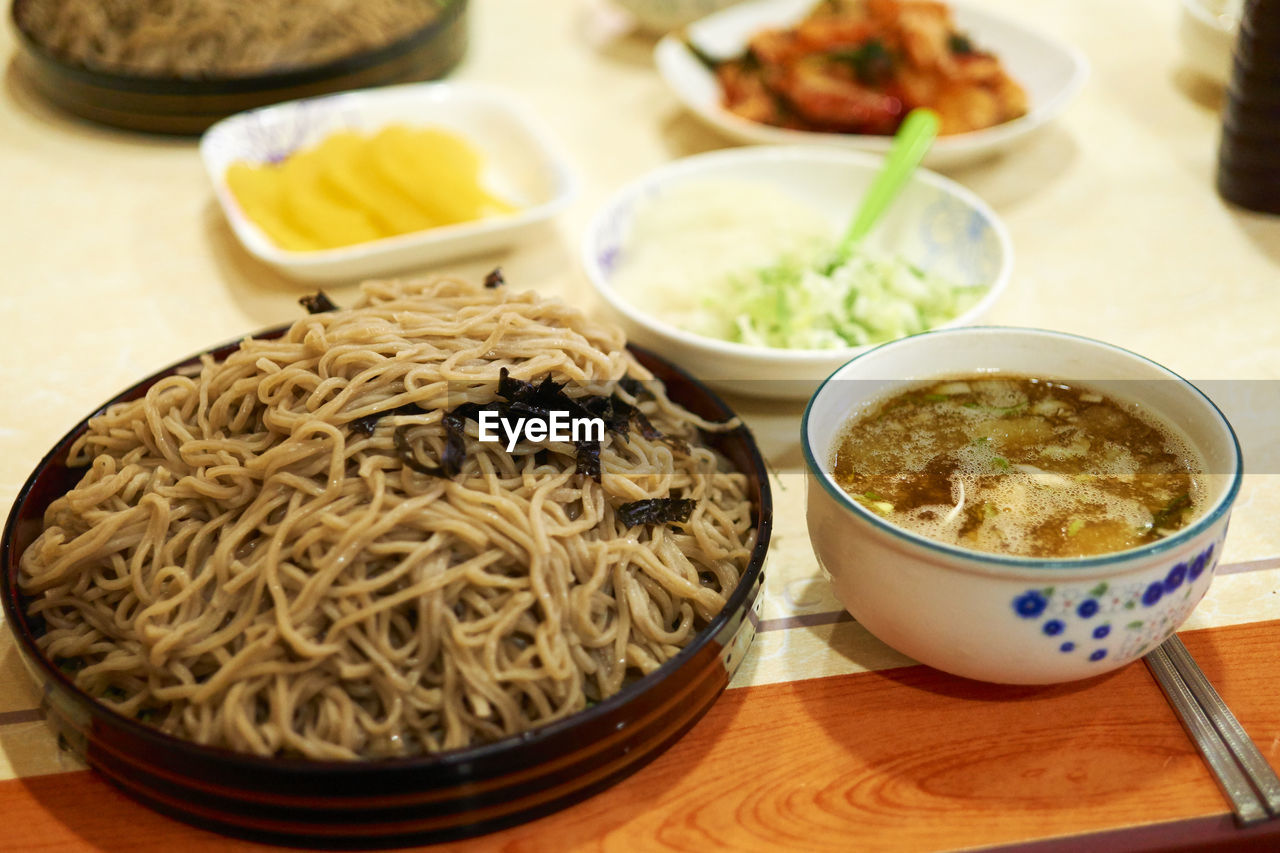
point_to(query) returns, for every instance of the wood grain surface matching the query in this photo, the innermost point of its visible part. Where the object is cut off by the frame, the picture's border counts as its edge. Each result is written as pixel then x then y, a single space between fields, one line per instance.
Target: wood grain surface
pixel 907 759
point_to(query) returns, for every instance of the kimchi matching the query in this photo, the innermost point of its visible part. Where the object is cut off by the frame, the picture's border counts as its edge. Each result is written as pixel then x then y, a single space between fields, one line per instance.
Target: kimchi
pixel 859 66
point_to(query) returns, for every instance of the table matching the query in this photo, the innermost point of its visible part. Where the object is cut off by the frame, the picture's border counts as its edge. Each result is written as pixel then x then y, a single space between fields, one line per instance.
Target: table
pixel 118 262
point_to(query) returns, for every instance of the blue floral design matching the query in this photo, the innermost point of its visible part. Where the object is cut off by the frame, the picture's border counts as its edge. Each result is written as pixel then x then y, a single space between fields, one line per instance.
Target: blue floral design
pixel 1030 604
pixel 1197 566
pixel 1078 617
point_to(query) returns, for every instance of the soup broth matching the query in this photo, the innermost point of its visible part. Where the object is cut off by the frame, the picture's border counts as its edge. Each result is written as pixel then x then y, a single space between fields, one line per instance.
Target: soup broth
pixel 1019 465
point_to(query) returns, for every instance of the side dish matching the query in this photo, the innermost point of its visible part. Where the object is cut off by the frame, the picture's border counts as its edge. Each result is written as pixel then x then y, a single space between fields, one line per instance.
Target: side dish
pixel 859 66
pixel 354 188
pixel 1020 465
pixel 705 258
pixel 310 549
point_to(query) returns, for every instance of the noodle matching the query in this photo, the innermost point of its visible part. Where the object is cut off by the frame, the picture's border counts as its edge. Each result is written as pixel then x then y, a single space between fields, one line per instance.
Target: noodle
pixel 245 565
pixel 212 38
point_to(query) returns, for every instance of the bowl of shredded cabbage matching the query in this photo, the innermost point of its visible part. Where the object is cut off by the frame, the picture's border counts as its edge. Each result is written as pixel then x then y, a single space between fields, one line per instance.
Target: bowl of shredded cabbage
pixel 730 263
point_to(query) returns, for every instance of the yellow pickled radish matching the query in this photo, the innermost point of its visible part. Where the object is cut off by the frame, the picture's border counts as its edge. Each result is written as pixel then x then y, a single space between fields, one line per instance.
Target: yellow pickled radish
pixel 440 171
pixel 352 177
pixel 353 188
pixel 258 193
pixel 315 210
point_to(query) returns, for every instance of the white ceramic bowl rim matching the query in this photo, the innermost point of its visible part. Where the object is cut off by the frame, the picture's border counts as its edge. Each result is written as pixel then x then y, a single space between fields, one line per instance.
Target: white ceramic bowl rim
pixel 1033 564
pixel 752 153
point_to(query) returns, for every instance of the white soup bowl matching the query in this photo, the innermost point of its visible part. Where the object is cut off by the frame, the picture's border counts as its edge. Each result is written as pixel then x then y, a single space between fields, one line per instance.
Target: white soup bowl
pixel 1012 619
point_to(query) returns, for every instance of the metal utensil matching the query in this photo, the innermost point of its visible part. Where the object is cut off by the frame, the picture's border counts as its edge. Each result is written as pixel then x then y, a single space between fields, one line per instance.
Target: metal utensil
pixel 1240 769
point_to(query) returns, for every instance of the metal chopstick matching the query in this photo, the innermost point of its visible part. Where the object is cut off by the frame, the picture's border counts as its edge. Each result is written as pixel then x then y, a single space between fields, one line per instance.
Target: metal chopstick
pixel 1245 801
pixel 1260 773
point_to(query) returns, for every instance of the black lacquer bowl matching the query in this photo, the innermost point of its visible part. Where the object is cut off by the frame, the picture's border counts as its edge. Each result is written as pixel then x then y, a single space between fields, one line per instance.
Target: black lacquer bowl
pixel 394 801
pixel 168 104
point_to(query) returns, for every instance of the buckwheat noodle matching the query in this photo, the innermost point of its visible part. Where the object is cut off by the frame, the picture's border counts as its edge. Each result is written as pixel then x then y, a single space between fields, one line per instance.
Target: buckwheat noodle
pixel 211 38
pixel 242 567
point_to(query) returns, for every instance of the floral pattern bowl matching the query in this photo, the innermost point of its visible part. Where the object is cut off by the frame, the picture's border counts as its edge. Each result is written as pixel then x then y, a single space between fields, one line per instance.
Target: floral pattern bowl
pixel 1000 618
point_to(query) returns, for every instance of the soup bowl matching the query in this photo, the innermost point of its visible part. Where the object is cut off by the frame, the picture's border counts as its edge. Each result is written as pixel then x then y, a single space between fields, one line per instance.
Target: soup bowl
pixel 998 617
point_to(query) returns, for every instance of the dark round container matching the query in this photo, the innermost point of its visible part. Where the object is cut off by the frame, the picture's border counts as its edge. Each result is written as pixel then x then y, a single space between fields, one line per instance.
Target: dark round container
pixel 396 801
pixel 1260 20
pixel 1253 82
pixel 1241 123
pixel 165 104
pixel 1258 191
pixel 1248 155
pixel 1258 53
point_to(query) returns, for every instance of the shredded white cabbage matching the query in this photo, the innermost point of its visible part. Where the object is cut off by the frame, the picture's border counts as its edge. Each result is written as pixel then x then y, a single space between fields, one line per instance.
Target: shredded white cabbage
pixel 746 262
pixel 866 299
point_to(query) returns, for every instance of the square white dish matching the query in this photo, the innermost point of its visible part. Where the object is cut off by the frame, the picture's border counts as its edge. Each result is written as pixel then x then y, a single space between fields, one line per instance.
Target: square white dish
pixel 522 163
pixel 1050 70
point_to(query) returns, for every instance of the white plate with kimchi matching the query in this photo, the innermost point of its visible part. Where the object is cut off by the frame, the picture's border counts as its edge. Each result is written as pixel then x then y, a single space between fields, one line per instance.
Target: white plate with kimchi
pixel 847 71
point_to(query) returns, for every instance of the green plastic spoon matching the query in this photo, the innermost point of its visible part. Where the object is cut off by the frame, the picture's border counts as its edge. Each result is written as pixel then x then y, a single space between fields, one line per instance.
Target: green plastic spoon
pixel 910 144
pixel 772 293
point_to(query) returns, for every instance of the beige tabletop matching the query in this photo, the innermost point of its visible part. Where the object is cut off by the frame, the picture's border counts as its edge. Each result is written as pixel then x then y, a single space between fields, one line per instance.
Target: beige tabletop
pixel 117 261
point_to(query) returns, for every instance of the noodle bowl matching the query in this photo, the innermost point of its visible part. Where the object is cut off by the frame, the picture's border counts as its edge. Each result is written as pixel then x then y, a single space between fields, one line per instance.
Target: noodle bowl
pixel 217 38
pixel 252 562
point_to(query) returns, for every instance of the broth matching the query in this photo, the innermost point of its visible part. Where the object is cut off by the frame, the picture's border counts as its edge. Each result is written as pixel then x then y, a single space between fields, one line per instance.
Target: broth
pixel 1019 465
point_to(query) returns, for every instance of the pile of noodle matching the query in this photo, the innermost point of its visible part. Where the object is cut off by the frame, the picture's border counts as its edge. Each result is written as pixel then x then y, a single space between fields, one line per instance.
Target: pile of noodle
pixel 241 567
pixel 217 38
